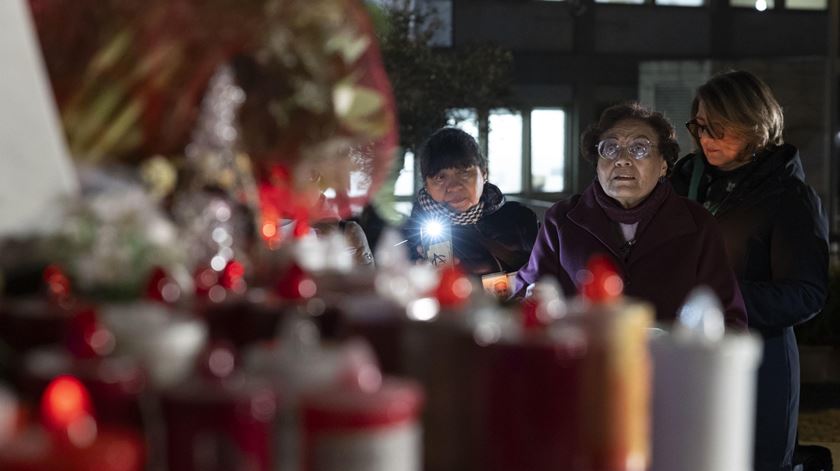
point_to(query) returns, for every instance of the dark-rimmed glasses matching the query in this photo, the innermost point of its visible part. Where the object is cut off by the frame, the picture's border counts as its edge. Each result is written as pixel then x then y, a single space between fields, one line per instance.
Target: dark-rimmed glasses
pixel 711 130
pixel 610 148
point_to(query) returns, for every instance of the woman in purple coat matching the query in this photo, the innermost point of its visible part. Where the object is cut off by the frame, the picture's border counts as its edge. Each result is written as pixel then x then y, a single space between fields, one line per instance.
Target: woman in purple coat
pixel 662 244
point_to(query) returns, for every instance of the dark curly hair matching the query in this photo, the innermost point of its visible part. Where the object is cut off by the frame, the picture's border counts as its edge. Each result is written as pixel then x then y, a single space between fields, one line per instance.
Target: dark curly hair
pixel 450 148
pixel 668 146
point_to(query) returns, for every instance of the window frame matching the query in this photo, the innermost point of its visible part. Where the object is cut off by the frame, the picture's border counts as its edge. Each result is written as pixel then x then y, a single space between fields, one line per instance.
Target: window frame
pixel 526 153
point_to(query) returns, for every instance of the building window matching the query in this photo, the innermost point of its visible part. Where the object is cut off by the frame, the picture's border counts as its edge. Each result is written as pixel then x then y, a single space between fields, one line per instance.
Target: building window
pixel 633 2
pixel 806 4
pixel 504 150
pixel 404 186
pixel 681 3
pixel 510 160
pixel 760 5
pixel 528 143
pixel 403 208
pixel 548 150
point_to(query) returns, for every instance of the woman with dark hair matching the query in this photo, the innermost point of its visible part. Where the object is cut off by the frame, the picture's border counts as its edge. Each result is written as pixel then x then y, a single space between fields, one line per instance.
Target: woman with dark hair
pixel 662 245
pixel 775 234
pixel 488 233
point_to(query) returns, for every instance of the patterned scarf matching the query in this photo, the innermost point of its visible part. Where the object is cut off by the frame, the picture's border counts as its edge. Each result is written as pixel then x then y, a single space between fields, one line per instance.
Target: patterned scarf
pixel 470 216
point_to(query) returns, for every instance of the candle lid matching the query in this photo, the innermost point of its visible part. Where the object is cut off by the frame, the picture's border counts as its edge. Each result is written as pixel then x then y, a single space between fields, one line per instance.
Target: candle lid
pixel 701 317
pixel 48 363
pixel 165 340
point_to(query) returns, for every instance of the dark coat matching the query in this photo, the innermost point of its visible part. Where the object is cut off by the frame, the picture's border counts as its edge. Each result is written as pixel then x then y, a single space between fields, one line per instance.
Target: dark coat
pixel 680 249
pixel 500 241
pixel 777 240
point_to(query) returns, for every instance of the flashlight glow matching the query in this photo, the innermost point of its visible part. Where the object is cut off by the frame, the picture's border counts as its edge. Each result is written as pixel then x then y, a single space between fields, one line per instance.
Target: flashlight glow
pixel 433 228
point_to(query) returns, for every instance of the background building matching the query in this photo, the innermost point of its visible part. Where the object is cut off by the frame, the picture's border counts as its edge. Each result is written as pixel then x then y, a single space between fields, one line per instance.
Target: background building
pixel 574 58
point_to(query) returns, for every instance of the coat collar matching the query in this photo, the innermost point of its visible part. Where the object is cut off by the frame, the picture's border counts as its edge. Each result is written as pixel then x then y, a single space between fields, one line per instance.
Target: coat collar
pixel 762 179
pixel 671 221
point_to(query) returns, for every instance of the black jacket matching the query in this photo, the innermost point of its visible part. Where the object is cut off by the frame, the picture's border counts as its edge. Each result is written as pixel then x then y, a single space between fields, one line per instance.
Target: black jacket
pixel 501 240
pixel 776 236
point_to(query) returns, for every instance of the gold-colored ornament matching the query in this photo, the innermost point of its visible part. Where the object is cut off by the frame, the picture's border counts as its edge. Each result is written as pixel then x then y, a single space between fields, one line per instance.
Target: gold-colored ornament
pixel 159 176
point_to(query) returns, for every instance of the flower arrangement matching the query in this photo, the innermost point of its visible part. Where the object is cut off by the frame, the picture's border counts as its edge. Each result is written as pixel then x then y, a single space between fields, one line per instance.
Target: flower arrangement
pixel 130 78
pixel 283 105
pixel 110 241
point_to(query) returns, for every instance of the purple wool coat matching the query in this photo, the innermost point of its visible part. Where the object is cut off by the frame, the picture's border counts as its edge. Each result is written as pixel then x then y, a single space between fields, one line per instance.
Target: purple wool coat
pixel 680 248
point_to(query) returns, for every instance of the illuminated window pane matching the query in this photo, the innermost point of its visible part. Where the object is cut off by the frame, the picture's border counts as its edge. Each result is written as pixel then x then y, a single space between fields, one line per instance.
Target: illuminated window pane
pixel 404 185
pixel 359 184
pixel 759 5
pixel 635 2
pixel 504 148
pixel 403 208
pixel 806 4
pixel 465 120
pixel 681 3
pixel 548 148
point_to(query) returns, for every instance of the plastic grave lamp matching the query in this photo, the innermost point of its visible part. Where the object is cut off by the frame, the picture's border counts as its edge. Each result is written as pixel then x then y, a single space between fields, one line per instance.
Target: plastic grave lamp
pixel 67 412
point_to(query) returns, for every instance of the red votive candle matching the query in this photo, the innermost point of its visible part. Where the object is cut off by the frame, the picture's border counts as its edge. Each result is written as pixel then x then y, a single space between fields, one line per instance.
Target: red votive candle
pixel 363 428
pixel 70 439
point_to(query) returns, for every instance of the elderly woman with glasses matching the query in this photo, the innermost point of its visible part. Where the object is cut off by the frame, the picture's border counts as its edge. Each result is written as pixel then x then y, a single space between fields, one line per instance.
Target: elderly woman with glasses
pixel 775 234
pixel 662 245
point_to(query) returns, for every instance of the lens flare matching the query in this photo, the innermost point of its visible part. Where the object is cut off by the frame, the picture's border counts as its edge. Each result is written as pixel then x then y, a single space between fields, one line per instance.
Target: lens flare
pixel 433 228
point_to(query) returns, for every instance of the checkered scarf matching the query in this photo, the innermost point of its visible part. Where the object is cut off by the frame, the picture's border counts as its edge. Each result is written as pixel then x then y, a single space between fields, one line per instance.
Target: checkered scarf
pixel 470 216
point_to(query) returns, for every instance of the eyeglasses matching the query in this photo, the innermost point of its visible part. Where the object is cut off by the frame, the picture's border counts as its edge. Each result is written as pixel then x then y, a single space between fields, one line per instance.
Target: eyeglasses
pixel 610 148
pixel 711 130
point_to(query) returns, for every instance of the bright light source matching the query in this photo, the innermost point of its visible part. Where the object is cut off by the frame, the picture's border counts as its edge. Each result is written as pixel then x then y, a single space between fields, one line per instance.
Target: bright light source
pixel 760 5
pixel 433 228
pixel 423 309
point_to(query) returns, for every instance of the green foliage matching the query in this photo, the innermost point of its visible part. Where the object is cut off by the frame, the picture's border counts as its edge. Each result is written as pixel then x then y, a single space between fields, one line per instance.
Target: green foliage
pixel 428 81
